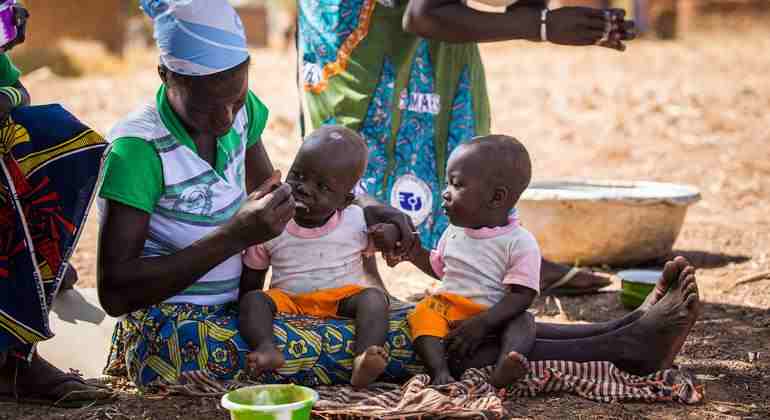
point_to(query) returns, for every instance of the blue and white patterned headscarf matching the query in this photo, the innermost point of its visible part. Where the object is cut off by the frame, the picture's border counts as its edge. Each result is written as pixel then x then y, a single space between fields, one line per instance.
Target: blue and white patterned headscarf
pixel 197 37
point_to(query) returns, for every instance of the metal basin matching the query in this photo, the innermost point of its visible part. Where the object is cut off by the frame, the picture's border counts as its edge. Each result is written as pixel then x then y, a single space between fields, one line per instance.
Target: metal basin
pixel 596 222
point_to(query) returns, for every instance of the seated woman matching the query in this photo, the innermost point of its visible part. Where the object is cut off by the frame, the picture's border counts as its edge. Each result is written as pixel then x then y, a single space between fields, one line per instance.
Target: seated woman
pixel 182 202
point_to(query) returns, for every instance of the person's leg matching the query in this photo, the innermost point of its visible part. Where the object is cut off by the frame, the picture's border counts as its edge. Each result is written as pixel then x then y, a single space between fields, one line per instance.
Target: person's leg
pixel 649 344
pixel 432 352
pixel 671 272
pixel 41 381
pixel 643 347
pixel 429 324
pixel 255 320
pixel 69 280
pixel 369 309
pixel 516 342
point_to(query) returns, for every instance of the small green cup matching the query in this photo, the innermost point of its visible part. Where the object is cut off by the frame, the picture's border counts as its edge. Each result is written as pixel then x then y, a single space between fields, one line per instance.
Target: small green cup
pixel 270 402
pixel 636 285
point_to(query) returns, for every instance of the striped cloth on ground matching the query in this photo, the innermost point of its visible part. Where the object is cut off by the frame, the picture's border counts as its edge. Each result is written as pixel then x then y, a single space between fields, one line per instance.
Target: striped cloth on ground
pixel 473 397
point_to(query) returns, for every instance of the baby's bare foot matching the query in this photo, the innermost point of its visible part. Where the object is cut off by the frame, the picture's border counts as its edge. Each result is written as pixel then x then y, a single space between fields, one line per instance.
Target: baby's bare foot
pixel 510 369
pixel 264 358
pixel 368 366
pixel 441 377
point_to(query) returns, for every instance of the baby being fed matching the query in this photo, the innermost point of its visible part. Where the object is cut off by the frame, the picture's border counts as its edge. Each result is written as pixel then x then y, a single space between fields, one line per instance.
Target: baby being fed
pixel 317 261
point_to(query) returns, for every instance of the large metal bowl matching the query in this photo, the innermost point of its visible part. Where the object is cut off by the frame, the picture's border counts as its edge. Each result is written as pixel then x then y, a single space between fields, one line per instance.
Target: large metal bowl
pixel 590 222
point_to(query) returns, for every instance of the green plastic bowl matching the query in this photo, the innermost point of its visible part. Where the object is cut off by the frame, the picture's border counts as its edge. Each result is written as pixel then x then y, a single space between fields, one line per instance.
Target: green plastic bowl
pixel 270 402
pixel 636 285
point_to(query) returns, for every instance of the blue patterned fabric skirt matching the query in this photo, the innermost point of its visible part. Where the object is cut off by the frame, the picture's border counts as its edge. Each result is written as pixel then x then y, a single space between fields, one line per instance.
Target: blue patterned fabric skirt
pixel 49 166
pixel 157 345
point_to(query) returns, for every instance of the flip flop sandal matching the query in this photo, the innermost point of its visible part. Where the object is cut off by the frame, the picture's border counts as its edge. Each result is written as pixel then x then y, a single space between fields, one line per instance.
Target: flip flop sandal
pixel 559 288
pixel 68 400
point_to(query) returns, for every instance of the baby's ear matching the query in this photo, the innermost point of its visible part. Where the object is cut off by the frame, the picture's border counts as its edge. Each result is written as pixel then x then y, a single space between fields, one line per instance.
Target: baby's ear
pixel 500 196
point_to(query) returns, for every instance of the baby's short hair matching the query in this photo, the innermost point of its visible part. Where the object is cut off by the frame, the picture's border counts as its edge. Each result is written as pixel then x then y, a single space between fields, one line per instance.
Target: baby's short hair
pixel 507 162
pixel 342 142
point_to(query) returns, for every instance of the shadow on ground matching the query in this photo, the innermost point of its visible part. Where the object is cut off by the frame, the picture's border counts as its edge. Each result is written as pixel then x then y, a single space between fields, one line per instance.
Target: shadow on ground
pixel 728 350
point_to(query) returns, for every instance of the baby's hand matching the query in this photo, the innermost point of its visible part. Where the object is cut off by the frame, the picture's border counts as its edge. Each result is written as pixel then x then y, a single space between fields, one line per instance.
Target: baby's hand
pixel 386 237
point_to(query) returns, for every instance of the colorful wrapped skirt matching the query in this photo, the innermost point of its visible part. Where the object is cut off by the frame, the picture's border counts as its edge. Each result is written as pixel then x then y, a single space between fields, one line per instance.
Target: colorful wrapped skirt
pixel 157 346
pixel 49 167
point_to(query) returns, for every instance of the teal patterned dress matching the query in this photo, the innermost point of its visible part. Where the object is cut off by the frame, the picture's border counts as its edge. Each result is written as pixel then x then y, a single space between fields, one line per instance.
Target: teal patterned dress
pixel 414 100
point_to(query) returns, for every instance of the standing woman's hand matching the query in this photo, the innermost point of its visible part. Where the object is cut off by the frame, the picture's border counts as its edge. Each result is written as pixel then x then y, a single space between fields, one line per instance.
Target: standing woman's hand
pixel 20 16
pixel 620 30
pixel 587 26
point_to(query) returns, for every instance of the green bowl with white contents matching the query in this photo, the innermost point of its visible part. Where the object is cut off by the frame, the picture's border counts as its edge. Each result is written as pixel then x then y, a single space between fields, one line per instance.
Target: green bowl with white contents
pixel 636 285
pixel 270 402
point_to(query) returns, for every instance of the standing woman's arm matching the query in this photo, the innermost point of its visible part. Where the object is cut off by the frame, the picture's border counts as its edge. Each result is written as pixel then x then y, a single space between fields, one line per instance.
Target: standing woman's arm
pixel 454 22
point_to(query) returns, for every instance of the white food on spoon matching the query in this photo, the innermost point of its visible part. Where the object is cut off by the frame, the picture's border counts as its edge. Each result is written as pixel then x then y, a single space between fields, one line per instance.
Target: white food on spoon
pixel 300 205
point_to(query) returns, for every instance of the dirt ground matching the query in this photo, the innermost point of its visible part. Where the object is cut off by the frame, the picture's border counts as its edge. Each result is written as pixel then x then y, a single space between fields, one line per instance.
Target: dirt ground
pixel 690 111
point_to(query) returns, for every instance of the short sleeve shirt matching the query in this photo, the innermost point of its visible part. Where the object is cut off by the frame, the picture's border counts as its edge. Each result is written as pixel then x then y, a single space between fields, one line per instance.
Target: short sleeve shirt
pixel 133 174
pixel 306 260
pixel 481 264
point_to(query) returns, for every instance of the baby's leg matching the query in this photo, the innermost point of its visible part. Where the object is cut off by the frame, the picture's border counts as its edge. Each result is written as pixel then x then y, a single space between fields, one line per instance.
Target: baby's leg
pixel 369 309
pixel 516 341
pixel 433 355
pixel 256 326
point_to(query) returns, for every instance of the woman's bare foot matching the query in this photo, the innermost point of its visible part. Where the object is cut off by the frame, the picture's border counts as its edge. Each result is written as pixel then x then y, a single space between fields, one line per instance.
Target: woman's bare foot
pixel 368 366
pixel 509 369
pixel 41 382
pixel 673 269
pixel 653 341
pixel 263 359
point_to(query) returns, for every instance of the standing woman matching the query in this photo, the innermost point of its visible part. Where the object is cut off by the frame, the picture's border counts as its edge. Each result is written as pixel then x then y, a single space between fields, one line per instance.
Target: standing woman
pixel 408 75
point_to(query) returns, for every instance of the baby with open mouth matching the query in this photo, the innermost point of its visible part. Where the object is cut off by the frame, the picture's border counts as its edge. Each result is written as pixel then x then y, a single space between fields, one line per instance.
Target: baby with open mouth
pixel 317 262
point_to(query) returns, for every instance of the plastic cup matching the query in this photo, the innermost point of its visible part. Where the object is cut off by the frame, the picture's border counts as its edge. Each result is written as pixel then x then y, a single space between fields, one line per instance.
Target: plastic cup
pixel 270 402
pixel 636 285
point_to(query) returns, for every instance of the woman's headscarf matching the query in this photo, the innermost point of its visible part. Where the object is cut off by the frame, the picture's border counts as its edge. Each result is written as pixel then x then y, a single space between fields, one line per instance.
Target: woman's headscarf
pixel 197 37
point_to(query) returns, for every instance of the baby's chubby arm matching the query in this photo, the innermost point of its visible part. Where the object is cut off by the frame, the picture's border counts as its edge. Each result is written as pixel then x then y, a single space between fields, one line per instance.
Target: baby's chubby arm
pixel 518 300
pixel 468 335
pixel 251 280
pixel 387 239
